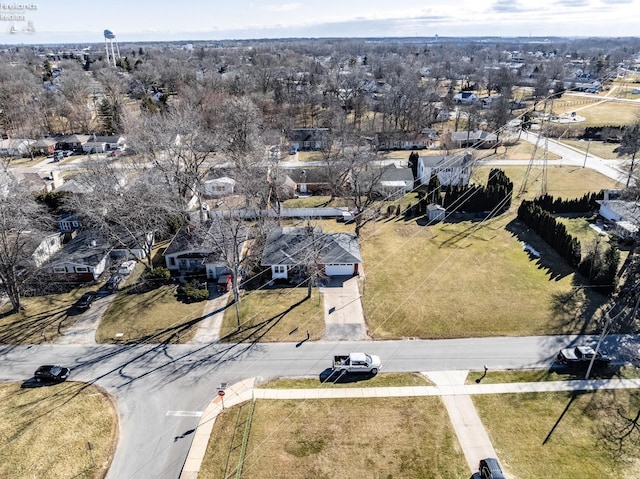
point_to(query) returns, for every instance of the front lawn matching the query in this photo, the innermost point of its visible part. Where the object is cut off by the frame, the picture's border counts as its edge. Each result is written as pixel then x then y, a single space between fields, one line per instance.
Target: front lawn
pixel 153 316
pixel 365 437
pixel 278 314
pixel 561 435
pixel 380 380
pixel 45 432
pixel 42 319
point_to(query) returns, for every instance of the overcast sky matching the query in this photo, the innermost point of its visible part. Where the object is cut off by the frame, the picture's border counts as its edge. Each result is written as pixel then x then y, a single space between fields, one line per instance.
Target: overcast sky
pixel 145 20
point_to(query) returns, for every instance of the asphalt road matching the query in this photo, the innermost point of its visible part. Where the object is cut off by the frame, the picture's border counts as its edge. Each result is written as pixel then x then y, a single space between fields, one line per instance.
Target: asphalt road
pixel 161 390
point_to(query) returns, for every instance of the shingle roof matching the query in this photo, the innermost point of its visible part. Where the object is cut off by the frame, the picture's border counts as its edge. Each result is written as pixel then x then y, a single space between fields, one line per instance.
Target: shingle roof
pixel 308 175
pixel 292 246
pixel 208 237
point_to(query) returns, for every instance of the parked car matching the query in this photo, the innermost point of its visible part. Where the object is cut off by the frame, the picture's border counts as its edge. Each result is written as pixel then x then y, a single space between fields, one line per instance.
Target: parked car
pixel 582 356
pixel 85 300
pixel 127 267
pixel 357 363
pixel 490 469
pixel 50 373
pixel 113 282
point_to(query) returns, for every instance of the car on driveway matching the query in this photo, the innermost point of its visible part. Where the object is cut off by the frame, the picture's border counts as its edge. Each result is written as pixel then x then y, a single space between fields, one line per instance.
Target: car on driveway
pixel 113 282
pixel 85 300
pixel 51 374
pixel 582 356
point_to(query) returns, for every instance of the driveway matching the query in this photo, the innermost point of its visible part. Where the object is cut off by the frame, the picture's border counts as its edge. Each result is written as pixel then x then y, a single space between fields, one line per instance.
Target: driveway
pixel 343 316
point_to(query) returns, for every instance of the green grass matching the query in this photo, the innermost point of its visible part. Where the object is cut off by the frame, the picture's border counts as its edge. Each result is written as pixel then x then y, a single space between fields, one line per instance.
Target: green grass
pixel 379 380
pixel 151 316
pixel 555 435
pixel 382 438
pixel 44 431
pixel 271 315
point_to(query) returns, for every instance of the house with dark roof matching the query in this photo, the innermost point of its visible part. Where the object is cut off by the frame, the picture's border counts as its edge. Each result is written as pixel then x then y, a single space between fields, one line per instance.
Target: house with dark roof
pixel 307 139
pixel 287 252
pixel 100 144
pixel 474 139
pixel 202 248
pixel 450 169
pixel 71 142
pixel 395 181
pixel 45 146
pixel 309 180
pixel 83 259
pixel 403 140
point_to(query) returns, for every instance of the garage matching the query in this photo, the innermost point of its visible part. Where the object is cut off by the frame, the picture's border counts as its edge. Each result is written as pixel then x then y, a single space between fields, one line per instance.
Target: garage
pixel 339 269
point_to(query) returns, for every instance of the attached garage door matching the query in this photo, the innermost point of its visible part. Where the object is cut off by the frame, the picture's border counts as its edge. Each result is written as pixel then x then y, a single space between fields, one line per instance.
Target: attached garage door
pixel 339 269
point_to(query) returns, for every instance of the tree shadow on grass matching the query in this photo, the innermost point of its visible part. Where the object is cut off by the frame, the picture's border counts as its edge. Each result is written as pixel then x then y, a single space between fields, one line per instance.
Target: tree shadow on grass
pixel 340 377
pixel 32 329
pixel 548 259
pixel 578 311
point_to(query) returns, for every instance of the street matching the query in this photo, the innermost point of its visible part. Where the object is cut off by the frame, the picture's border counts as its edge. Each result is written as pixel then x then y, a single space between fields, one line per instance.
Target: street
pixel 161 390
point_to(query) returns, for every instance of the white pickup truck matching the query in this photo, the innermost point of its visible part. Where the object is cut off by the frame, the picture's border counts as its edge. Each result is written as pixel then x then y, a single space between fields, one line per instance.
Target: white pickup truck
pixel 357 363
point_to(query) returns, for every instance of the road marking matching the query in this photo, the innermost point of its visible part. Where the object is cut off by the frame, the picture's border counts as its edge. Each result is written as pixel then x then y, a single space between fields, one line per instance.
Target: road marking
pixel 184 413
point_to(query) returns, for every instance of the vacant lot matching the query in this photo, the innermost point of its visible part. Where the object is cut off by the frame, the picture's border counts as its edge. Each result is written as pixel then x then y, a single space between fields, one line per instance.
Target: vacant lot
pixel 384 438
pixel 561 435
pixel 45 431
pixel 472 278
pixel 273 314
pixel 609 113
pixel 154 316
pixel 596 148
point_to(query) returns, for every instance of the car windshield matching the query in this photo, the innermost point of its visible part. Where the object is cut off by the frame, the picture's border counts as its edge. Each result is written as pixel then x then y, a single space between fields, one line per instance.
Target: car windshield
pixel 55 370
pixel 369 360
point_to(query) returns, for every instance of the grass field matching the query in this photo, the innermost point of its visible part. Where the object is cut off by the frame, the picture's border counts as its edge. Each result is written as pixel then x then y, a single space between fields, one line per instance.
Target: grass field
pixel 598 148
pixel 474 279
pixel 272 314
pixel 382 438
pixel 379 380
pixel 537 375
pixel 44 431
pixel 152 316
pixel 42 320
pixel 560 435
pixel 609 113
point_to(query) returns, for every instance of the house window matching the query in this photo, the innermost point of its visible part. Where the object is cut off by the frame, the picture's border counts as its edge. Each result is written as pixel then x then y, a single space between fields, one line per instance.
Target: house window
pixel 81 269
pixel 279 269
pixel 59 269
pixel 172 261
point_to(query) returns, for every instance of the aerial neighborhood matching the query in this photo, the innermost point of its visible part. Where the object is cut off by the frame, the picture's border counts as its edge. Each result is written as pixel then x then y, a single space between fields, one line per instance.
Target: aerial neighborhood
pixel 391 257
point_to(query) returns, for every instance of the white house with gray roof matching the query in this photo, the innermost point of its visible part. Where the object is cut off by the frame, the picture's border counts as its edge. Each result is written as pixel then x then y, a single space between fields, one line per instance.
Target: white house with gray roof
pixel 287 251
pixel 450 169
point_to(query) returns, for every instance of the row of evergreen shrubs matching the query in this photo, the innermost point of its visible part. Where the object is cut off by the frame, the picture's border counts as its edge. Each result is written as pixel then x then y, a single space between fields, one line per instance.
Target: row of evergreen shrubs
pixel 586 204
pixel 551 230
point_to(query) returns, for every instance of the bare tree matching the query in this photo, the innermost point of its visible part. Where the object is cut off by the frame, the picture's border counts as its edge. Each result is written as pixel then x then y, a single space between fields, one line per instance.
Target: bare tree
pixel 22 227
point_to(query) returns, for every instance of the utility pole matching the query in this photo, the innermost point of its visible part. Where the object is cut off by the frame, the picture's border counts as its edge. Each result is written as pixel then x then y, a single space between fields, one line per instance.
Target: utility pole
pixel 586 154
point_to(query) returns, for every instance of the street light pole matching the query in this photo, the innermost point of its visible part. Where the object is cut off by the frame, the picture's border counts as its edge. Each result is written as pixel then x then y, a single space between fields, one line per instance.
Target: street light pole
pixel 586 154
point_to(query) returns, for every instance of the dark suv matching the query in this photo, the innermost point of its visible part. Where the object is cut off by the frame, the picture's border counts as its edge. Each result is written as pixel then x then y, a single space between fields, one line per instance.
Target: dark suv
pixel 85 300
pixel 490 469
pixel 113 282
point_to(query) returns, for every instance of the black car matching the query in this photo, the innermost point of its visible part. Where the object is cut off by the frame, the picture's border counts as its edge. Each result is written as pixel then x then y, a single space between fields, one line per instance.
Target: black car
pixel 490 469
pixel 85 300
pixel 49 373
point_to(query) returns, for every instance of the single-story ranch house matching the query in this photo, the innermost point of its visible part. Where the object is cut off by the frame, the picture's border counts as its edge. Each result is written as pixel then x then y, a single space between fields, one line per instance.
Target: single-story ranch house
pixel 287 251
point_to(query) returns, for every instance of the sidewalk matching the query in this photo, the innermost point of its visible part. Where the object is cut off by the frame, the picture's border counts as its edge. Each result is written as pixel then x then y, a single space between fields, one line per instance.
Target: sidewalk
pixel 449 385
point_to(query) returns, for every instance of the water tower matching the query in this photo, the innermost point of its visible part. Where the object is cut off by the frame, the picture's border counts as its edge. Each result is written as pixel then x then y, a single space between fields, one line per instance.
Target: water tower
pixel 110 39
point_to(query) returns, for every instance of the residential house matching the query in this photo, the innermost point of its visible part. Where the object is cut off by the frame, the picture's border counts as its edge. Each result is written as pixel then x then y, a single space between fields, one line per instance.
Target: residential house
pixel 395 181
pixel 15 147
pixel 475 139
pixel 83 259
pixel 101 144
pixel 450 169
pixel 201 248
pixel 218 187
pixel 309 180
pixel 71 142
pixel 625 215
pixel 45 146
pixel 465 98
pixel 68 222
pixel 306 139
pixel 287 252
pixel 403 141
pixel 47 247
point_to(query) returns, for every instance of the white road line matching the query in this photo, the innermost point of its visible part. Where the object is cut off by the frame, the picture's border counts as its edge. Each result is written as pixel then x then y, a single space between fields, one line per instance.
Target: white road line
pixel 185 413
